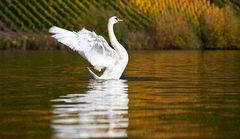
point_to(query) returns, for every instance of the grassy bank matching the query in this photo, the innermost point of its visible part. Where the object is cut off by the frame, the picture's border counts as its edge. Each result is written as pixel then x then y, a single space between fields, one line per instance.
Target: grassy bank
pixel 149 24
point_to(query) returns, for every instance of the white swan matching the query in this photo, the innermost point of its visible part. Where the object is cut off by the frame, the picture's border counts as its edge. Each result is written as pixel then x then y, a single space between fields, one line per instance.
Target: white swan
pixel 95 49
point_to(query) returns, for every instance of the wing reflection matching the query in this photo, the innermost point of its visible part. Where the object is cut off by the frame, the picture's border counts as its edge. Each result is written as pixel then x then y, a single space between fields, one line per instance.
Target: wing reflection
pixel 99 112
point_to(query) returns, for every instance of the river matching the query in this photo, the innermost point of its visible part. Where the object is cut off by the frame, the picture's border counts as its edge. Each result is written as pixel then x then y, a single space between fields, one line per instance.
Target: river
pixel 162 94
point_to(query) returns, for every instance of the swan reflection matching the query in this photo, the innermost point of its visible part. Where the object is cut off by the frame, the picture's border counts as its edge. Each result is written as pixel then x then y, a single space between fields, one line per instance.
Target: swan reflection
pixel 99 112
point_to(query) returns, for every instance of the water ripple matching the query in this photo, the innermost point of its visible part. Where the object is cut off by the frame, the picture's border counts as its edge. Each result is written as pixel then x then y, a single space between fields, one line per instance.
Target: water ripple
pixel 98 112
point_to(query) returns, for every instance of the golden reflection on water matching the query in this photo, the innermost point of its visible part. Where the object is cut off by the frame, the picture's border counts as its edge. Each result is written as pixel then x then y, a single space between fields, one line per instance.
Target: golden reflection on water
pixel 165 94
pixel 186 95
pixel 99 112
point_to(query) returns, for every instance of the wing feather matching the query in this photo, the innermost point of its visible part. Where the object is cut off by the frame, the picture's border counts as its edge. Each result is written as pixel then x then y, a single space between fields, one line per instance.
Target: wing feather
pixel 89 45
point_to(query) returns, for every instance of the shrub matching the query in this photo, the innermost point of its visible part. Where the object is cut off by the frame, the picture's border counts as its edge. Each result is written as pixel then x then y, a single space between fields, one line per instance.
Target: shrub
pixel 212 28
pixel 139 40
pixel 172 31
pixel 28 41
pixel 231 28
pixel 219 28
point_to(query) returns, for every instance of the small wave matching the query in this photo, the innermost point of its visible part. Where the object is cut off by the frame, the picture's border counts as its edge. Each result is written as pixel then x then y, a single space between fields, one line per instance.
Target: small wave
pixel 127 78
pixel 141 78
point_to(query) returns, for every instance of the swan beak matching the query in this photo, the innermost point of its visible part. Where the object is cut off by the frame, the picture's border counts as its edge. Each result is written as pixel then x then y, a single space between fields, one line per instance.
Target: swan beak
pixel 120 19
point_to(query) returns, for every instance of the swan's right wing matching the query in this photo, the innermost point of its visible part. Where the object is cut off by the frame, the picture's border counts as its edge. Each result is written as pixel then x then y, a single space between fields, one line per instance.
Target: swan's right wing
pixel 89 45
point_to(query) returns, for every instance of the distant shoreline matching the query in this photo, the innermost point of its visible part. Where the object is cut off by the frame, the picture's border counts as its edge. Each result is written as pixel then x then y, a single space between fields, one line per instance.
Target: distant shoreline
pixel 162 25
pixel 44 41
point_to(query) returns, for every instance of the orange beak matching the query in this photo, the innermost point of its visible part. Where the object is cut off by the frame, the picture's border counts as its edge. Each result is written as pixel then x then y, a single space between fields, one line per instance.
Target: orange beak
pixel 120 19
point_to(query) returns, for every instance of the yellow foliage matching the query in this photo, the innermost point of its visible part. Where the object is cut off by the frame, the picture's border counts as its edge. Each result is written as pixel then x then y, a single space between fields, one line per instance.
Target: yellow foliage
pixel 172 31
pixel 191 9
pixel 220 28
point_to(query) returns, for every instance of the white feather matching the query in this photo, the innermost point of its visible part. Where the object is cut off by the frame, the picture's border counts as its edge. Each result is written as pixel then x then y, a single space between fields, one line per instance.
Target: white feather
pixel 89 45
pixel 95 49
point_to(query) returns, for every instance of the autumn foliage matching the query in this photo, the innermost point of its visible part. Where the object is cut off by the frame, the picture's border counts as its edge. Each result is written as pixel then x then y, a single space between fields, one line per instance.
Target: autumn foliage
pixel 149 24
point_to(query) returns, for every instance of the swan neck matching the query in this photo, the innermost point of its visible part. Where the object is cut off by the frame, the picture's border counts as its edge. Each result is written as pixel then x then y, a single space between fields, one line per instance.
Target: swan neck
pixel 115 44
pixel 112 36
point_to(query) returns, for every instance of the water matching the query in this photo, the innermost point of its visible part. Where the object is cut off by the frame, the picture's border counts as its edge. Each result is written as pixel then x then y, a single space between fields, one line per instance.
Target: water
pixel 163 94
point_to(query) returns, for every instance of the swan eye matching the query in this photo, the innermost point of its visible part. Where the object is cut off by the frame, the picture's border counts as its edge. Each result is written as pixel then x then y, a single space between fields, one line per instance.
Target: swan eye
pixel 116 18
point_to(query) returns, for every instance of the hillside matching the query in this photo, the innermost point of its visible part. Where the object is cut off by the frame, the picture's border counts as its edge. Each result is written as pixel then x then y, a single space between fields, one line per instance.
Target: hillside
pixel 22 16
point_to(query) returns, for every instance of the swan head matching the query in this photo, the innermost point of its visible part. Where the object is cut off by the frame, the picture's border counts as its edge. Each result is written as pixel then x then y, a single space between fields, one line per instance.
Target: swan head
pixel 114 20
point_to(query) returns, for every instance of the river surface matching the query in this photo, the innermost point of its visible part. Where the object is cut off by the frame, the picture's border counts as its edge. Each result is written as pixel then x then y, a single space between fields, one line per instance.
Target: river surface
pixel 162 94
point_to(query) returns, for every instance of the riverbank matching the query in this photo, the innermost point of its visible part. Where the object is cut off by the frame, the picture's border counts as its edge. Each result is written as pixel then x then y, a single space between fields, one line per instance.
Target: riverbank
pixel 138 40
pixel 174 24
pixel 219 29
pixel 28 41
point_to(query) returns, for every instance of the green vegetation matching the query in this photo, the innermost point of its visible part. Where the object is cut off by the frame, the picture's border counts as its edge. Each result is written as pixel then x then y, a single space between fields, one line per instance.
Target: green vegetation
pixel 172 31
pixel 149 24
pixel 220 29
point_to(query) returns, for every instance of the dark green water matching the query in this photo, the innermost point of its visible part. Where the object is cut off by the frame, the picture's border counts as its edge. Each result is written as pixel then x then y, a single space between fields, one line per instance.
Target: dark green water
pixel 164 94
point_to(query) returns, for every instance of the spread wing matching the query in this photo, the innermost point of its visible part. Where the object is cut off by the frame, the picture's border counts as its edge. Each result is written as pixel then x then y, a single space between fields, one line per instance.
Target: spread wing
pixel 89 45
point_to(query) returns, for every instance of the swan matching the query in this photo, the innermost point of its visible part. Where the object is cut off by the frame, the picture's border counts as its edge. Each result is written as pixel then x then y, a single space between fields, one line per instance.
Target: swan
pixel 95 49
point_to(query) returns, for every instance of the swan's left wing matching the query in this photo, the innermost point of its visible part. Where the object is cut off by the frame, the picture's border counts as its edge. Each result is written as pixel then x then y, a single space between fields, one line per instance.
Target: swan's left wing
pixel 89 45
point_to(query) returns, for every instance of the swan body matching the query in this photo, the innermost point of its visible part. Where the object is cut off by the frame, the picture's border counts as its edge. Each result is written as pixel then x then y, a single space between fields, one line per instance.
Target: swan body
pixel 95 49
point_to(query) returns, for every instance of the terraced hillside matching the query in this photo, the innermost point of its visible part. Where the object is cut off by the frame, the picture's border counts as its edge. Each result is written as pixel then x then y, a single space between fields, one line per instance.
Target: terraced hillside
pixel 38 15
